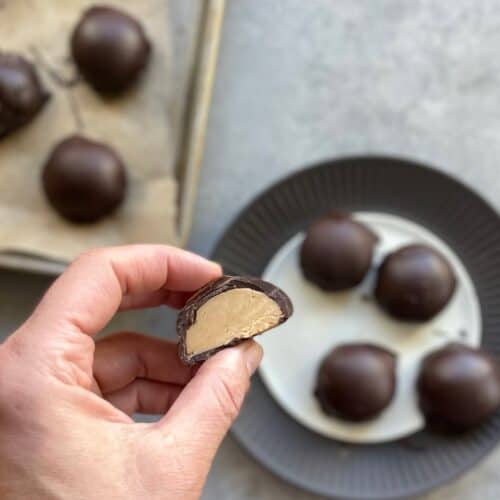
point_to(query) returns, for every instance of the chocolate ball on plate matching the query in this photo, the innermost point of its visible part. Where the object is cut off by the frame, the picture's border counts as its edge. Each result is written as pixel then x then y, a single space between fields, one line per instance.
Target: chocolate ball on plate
pixel 110 49
pixel 21 94
pixel 337 252
pixel 84 180
pixel 356 381
pixel 458 387
pixel 415 283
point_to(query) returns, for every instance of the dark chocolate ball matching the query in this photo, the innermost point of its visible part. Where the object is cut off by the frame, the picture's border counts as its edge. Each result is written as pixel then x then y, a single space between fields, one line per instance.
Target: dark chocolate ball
pixel 458 387
pixel 110 49
pixel 414 283
pixel 21 93
pixel 84 180
pixel 337 252
pixel 356 381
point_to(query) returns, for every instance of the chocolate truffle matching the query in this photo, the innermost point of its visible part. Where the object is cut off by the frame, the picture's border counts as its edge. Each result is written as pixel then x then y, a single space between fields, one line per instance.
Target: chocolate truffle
pixel 110 49
pixel 414 283
pixel 21 93
pixel 337 252
pixel 356 381
pixel 458 387
pixel 84 180
pixel 227 311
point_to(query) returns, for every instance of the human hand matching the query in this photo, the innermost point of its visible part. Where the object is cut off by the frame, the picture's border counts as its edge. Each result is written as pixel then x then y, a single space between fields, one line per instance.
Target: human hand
pixel 66 401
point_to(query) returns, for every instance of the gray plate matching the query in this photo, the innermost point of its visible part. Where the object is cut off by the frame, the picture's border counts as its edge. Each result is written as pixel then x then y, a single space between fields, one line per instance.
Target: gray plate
pixel 448 208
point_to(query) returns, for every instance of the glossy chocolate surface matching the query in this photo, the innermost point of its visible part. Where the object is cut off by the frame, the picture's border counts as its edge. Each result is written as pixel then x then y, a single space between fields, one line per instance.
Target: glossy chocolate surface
pixel 356 381
pixel 458 387
pixel 22 96
pixel 414 283
pixel 337 252
pixel 110 49
pixel 84 180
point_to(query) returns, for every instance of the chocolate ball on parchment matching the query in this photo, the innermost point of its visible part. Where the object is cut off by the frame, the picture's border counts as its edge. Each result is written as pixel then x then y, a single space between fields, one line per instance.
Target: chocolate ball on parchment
pixel 84 180
pixel 415 283
pixel 356 381
pixel 458 387
pixel 22 95
pixel 337 252
pixel 110 49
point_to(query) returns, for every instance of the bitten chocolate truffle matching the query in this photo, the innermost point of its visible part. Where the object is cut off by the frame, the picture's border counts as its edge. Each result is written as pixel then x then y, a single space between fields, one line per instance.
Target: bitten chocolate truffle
pixel 415 283
pixel 84 180
pixel 22 96
pixel 110 49
pixel 356 381
pixel 458 388
pixel 227 311
pixel 337 252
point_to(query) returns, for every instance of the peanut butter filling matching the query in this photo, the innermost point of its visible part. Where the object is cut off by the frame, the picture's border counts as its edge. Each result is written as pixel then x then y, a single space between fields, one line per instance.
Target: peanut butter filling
pixel 236 314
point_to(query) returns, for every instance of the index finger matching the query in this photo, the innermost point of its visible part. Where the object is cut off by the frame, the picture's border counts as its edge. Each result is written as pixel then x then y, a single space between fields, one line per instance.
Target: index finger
pixel 90 291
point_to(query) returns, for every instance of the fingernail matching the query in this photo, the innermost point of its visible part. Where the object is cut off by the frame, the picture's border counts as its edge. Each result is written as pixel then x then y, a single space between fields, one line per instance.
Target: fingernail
pixel 253 356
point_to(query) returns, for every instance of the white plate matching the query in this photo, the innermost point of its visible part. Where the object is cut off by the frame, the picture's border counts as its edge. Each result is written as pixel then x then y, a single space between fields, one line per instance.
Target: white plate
pixel 322 320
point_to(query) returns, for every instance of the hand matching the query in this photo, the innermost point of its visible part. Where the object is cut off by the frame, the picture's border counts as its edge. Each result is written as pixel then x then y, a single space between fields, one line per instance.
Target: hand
pixel 66 401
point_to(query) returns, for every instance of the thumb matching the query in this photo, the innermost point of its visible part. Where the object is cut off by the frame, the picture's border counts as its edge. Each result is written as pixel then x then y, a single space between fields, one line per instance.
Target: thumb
pixel 206 408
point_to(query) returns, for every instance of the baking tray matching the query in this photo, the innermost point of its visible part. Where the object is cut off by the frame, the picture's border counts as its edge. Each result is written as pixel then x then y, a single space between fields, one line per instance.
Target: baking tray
pixel 196 31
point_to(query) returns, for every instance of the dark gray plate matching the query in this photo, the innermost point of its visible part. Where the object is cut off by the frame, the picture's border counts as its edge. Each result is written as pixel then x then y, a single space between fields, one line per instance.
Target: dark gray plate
pixel 462 219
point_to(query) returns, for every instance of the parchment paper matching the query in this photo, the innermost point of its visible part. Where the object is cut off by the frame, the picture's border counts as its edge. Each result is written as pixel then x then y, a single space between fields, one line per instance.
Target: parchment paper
pixel 137 125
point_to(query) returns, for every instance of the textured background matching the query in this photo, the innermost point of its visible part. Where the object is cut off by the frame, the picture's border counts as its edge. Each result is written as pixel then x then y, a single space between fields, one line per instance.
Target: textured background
pixel 303 81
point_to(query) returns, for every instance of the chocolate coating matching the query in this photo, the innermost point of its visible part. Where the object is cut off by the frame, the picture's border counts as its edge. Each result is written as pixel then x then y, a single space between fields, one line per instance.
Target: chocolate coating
pixel 337 252
pixel 84 180
pixel 356 381
pixel 414 283
pixel 110 49
pixel 458 387
pixel 187 315
pixel 21 94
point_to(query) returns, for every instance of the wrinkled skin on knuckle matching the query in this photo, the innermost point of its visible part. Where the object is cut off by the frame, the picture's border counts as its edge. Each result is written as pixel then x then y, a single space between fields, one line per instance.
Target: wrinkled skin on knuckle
pixel 66 357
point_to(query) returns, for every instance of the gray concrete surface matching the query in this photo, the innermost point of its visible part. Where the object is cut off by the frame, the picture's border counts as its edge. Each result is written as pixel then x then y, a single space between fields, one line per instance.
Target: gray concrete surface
pixel 301 81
